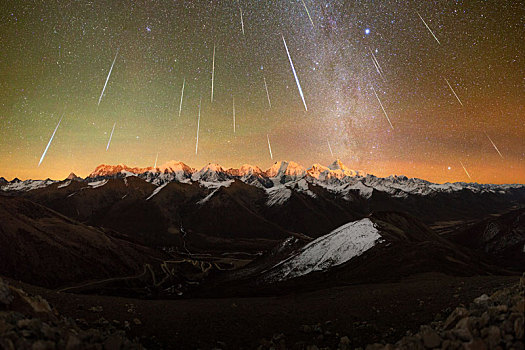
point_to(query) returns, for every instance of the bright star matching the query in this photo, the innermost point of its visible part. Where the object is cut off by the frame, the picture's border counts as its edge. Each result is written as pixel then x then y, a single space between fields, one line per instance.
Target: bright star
pixel 367 31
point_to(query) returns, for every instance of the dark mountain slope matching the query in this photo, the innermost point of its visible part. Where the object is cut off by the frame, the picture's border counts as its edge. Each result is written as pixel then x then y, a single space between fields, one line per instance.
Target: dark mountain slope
pixel 41 246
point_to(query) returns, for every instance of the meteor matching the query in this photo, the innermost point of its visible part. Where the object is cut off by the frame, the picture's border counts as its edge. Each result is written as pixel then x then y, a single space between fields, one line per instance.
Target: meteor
pixel 376 64
pixel 269 146
pixel 308 13
pixel 156 158
pixel 450 86
pixel 242 21
pixel 267 94
pixel 233 101
pixel 198 127
pixel 295 74
pixel 212 72
pixel 386 115
pixel 182 96
pixel 465 170
pixel 107 79
pixel 330 148
pixel 110 136
pixel 49 143
pixel 493 144
pixel 430 30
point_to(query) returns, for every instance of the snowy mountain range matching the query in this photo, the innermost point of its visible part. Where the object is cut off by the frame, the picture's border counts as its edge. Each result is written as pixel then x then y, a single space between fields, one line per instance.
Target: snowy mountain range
pixel 279 180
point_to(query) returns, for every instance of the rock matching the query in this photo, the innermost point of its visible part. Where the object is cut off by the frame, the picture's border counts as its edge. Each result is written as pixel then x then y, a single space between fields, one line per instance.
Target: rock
pixel 520 306
pixel 72 342
pixel 483 299
pixel 113 342
pixel 306 328
pixel 484 319
pixel 462 334
pixel 464 323
pixel 5 294
pixel 221 345
pixel 476 344
pixel 518 328
pixel 458 314
pixel 137 322
pixel 96 309
pixel 430 337
pixel 43 345
pixel 494 336
pixel 6 344
pixel 344 343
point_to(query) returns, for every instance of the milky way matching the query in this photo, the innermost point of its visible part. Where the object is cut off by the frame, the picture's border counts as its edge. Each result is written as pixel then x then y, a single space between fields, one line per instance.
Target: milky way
pixel 419 58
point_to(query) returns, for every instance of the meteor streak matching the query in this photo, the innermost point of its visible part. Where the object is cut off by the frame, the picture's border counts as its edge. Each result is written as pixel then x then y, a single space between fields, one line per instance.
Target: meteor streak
pixel 107 79
pixel 493 144
pixel 182 96
pixel 450 86
pixel 242 21
pixel 376 64
pixel 212 72
pixel 295 74
pixel 386 115
pixel 330 148
pixel 269 146
pixel 198 127
pixel 233 101
pixel 110 136
pixel 430 30
pixel 156 158
pixel 308 13
pixel 465 170
pixel 267 94
pixel 49 143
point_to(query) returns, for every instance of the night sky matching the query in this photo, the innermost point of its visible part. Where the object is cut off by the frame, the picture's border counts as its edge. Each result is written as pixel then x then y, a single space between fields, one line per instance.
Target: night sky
pixel 56 56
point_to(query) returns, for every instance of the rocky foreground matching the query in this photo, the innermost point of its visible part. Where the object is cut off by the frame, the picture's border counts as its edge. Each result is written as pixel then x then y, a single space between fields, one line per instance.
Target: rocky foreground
pixel 489 322
pixel 28 322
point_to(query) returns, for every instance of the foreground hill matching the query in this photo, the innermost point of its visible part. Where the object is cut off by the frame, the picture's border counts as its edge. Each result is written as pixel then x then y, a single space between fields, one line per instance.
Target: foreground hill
pixel 386 246
pixel 500 236
pixel 41 246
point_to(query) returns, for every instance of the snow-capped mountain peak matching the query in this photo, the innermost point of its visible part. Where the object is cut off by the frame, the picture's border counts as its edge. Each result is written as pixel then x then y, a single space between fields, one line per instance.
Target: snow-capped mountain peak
pixel 112 170
pixel 335 248
pixel 175 167
pixel 248 169
pixel 72 176
pixel 211 172
pixel 279 169
pixel 340 170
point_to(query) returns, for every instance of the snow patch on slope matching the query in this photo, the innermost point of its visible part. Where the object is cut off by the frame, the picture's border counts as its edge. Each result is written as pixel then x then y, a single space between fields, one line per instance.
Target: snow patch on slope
pixel 157 190
pixel 97 184
pixel 215 186
pixel 208 197
pixel 65 184
pixel 278 195
pixel 27 185
pixel 335 248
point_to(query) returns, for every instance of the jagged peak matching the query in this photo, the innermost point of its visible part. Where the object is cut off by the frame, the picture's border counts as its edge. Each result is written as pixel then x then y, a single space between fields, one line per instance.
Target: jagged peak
pixel 245 169
pixel 289 168
pixel 73 176
pixel 214 167
pixel 175 166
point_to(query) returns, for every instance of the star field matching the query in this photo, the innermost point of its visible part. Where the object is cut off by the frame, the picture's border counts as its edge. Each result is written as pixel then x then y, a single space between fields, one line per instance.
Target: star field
pixel 453 92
